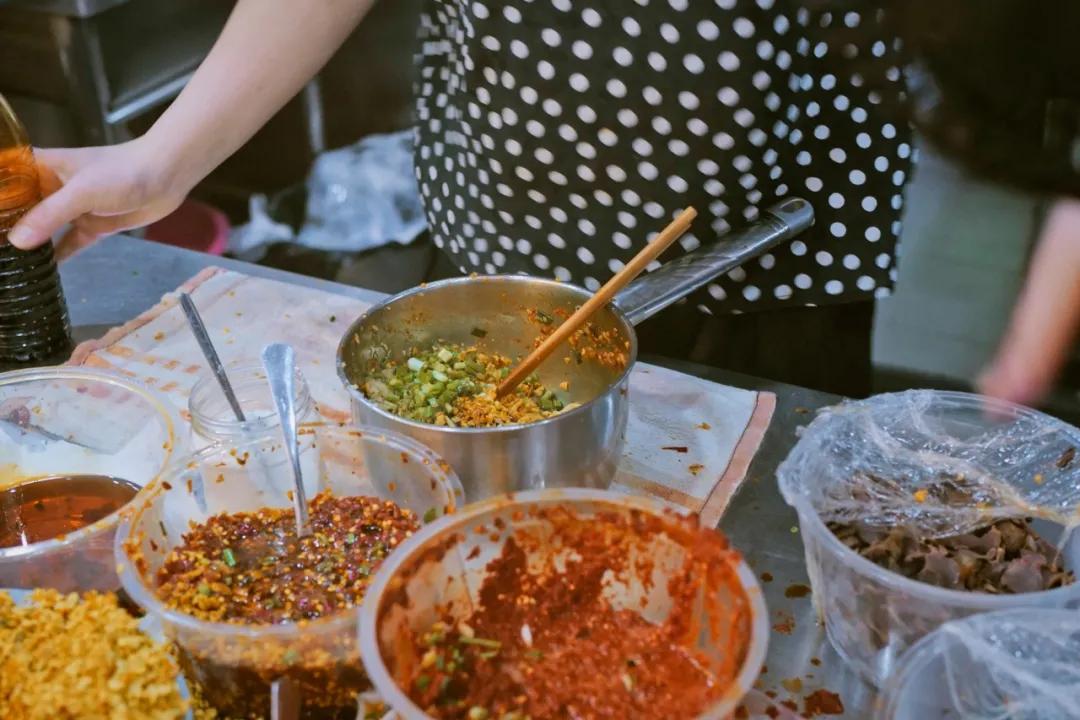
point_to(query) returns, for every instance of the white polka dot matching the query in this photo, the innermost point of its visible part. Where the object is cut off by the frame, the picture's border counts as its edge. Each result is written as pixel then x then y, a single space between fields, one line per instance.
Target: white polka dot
pixel 798 247
pixel 661 125
pixel 562 274
pixel 882 292
pixel 862 140
pixel 714 187
pixel 708 30
pixel 898 178
pixel 557 177
pixel 677 184
pixel 490 43
pixel 717 292
pixel 578 201
pixel 657 61
pixel 524 247
pixel 623 56
pixel 648 171
pixel 834 287
pixel 837 155
pixel 541 261
pixel 551 37
pixel 678 147
pixel 622 240
pixel 480 11
pixel 767 261
pixel 765 50
pixel 697 127
pixel 529 95
pixel 744 117
pixel 881 164
pixel 821 132
pixel 858 115
pixel 813 184
pixel 627 117
pixel 857 177
pixel 558 214
pixel 585 173
pixel 631 27
pixel 838 229
pixel 888 130
pixel 743 27
pixel 883 260
pixel 586 113
pixel 738 274
pixel 851 262
pixel 582 49
pixel 630 197
pixel 751 293
pixel 591 17
pixel 615 265
pixel 669 33
pixel 873 234
pixel 652 96
pixel 556 241
pixel 869 204
pixel 865 283
pixel 824 258
pixel 679 5
pixel 616 173
pixel 836 200
pixel 568 133
pixel 617 88
pixel 513 147
pixel 545 69
pixel 512 14
pixel 519 49
pixel 586 227
pixel 708 167
pixel 782 292
pixel 585 255
pixel 841 103
pixel 653 210
pixel 803 281
pixel 729 61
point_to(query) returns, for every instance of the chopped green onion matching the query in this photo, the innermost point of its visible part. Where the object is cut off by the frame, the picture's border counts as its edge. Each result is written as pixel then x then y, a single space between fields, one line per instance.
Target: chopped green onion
pixel 204 589
pixel 481 642
pixel 228 557
pixel 431 514
pixel 415 364
pixel 350 538
pixel 423 682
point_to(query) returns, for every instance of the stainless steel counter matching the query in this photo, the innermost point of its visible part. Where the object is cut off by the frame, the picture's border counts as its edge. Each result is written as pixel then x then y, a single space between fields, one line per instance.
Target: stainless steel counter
pixel 121 277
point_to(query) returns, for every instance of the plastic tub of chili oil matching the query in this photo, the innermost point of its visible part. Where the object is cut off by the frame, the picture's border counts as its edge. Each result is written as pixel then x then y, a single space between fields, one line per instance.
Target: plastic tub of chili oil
pixel 437 583
pixel 1014 664
pixel 873 615
pixel 277 591
pixel 76 445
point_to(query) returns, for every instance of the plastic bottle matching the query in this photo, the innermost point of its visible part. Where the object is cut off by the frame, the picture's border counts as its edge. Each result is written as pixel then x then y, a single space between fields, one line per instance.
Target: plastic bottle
pixel 34 324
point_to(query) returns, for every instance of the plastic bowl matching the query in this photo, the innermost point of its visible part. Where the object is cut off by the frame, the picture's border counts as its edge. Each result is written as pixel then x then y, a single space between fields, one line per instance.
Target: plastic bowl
pixel 1012 664
pixel 872 616
pixel 233 666
pixel 442 568
pixel 73 421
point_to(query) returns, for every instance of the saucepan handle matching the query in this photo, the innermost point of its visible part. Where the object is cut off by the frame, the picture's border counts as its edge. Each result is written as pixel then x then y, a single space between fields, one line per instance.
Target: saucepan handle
pixel 654 291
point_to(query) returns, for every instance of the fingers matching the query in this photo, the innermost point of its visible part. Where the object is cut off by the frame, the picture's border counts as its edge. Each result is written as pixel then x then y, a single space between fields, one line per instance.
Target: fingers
pixel 1045 320
pixel 50 215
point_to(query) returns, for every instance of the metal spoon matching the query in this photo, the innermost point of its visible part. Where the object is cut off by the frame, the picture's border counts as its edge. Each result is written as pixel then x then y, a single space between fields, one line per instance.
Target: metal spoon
pixel 279 362
pixel 208 351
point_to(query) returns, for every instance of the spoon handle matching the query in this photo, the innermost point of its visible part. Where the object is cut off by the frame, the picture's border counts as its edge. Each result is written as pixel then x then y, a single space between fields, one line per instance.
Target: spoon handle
pixel 203 338
pixel 279 361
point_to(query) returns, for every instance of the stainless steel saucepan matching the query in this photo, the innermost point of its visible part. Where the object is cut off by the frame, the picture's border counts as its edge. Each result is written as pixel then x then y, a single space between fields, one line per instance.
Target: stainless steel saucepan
pixel 579 447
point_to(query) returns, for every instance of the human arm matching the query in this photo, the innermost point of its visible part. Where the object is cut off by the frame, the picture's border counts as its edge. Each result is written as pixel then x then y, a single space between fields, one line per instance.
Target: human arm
pixel 267 51
pixel 1046 317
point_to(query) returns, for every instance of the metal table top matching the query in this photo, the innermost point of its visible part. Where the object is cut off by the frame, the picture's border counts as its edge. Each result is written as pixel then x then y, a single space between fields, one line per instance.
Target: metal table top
pixel 120 277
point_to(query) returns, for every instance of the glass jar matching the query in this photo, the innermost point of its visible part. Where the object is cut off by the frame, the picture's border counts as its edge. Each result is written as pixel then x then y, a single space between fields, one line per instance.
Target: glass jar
pixel 213 419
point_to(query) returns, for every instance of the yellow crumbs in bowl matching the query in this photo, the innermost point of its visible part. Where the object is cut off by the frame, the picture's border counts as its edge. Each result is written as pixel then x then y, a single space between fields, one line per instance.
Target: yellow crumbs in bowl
pixel 66 656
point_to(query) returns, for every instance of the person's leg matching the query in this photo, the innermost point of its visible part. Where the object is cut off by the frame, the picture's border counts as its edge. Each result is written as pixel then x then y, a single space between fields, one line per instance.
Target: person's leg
pixel 824 348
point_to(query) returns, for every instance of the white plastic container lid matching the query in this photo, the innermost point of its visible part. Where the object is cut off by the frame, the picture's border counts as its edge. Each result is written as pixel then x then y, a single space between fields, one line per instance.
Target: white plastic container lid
pixel 1008 665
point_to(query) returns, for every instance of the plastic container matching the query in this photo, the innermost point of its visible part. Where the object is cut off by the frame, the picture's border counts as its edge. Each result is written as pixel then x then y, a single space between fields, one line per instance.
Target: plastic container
pixel 872 616
pixel 72 421
pixel 192 226
pixel 432 573
pixel 233 666
pixel 213 419
pixel 1013 664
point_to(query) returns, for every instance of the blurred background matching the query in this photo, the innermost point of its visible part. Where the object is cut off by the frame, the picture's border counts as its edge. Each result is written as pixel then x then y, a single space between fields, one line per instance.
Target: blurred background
pixel 81 72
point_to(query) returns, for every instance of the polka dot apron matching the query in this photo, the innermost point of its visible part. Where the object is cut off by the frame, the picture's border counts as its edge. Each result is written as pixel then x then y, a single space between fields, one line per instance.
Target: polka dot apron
pixel 555 137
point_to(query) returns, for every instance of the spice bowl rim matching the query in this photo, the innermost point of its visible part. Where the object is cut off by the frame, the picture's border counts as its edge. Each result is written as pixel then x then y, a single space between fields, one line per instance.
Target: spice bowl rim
pixel 112 521
pixel 253 428
pixel 143 595
pixel 353 331
pixel 397 699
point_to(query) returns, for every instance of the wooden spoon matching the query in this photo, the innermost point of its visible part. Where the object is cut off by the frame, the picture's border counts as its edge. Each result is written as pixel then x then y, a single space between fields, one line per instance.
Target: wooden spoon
pixel 601 298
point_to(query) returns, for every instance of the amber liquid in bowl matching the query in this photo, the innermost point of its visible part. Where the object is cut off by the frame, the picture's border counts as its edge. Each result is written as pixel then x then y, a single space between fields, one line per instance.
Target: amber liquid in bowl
pixel 52 507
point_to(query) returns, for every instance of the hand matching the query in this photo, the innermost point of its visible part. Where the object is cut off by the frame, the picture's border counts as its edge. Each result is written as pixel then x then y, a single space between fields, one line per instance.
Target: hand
pixel 99 191
pixel 1047 314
